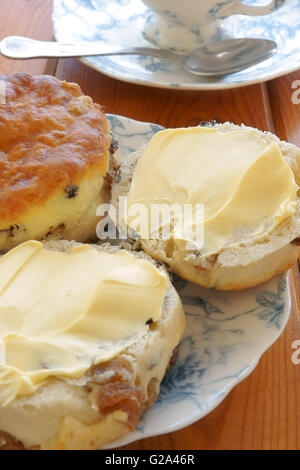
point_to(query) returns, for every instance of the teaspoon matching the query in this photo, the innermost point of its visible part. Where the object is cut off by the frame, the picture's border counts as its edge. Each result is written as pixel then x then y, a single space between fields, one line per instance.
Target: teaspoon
pixel 216 58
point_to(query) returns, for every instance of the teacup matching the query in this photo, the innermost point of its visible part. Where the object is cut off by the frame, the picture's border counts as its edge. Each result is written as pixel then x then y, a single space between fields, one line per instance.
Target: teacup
pixel 175 23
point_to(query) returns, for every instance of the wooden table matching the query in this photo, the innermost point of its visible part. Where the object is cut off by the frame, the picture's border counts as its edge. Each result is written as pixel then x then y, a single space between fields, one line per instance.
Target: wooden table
pixel 262 412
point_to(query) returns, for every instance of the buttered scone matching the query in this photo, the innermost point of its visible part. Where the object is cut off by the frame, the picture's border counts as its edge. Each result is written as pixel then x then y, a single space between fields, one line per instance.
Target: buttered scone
pixel 86 336
pixel 220 204
pixel 54 154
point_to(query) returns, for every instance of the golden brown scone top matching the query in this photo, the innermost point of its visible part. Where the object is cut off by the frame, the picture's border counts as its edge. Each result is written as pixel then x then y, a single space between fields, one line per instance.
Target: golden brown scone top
pixel 51 135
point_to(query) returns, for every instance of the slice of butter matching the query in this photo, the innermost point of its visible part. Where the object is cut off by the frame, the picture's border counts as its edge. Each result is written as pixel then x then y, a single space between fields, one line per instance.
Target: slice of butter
pixel 243 183
pixel 61 313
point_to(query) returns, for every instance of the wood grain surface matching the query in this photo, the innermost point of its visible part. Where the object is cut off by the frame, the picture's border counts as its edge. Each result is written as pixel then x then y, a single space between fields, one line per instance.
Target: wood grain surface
pixel 30 18
pixel 263 411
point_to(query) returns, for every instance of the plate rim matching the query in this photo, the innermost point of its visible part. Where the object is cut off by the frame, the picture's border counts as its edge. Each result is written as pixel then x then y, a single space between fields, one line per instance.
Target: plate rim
pixel 191 86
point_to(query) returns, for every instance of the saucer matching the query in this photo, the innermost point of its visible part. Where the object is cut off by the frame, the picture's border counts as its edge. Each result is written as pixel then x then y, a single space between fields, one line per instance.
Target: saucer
pixel 122 22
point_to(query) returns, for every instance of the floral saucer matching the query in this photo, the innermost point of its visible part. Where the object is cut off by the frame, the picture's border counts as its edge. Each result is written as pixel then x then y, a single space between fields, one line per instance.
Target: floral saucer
pixel 122 22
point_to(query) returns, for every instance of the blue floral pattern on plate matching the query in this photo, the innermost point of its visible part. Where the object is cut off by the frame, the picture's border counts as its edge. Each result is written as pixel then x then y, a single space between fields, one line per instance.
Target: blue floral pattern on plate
pixel 122 22
pixel 226 333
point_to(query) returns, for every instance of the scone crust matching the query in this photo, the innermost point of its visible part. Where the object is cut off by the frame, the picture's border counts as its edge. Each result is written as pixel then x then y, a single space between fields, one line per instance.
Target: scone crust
pixel 51 137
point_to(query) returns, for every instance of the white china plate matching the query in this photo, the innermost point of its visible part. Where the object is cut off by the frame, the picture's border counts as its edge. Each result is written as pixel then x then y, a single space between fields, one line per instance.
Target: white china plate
pixel 226 334
pixel 121 22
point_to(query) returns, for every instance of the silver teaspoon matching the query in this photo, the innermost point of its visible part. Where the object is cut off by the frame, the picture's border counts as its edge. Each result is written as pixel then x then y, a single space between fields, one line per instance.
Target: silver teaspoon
pixel 217 58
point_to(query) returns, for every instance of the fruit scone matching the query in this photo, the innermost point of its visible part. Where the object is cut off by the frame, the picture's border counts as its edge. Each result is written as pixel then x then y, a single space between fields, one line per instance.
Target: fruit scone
pixel 55 149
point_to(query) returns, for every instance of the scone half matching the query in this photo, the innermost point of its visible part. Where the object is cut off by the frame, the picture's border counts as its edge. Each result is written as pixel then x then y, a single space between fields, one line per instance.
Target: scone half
pixel 242 264
pixel 55 147
pixel 108 400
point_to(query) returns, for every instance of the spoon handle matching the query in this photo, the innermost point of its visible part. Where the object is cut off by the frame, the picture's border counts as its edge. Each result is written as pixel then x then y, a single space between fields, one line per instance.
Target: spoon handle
pixel 218 58
pixel 18 47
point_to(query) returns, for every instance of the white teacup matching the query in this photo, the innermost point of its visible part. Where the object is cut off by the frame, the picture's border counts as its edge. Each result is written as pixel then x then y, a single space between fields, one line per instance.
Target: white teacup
pixel 173 23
